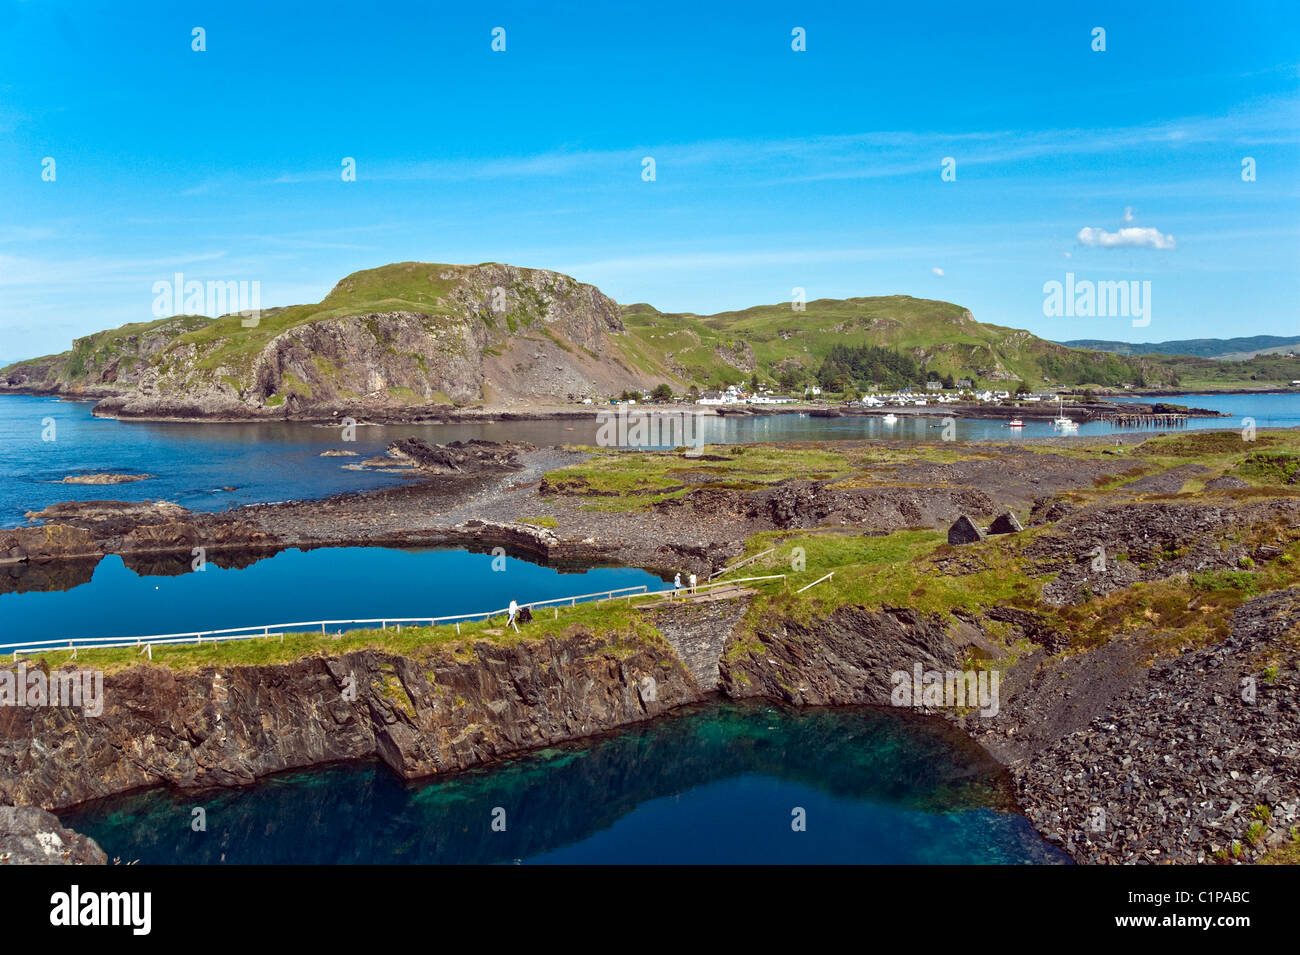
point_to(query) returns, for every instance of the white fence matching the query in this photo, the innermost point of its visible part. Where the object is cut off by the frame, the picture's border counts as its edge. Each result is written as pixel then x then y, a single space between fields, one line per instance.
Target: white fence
pixel 265 631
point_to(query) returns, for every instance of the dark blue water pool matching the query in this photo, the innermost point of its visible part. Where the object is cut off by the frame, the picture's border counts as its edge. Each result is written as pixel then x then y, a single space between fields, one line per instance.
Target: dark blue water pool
pixel 723 784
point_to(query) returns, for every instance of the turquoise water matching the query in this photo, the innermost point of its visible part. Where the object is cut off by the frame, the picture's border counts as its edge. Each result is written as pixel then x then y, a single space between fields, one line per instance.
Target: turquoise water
pixel 714 785
pixel 218 466
pixel 335 583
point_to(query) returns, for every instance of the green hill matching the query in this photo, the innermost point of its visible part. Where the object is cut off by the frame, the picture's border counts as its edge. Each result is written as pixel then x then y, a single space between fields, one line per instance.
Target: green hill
pixel 413 334
pixel 789 347
pixel 1234 348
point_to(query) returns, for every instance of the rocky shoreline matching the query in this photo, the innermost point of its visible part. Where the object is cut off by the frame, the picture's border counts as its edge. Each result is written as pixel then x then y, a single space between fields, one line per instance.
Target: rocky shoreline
pixel 112 404
pixel 1120 752
pixel 486 493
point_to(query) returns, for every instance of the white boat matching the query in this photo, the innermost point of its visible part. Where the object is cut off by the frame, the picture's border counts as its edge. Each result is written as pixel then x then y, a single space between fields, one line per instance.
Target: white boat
pixel 1061 422
pixel 1015 423
pixel 890 418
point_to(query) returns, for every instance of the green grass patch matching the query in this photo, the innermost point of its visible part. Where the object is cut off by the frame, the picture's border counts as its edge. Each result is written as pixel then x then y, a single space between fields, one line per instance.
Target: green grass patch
pixel 544 521
pixel 1268 467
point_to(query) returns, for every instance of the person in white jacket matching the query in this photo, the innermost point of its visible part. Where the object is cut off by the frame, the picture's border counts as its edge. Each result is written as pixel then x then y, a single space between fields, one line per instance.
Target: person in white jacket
pixel 514 612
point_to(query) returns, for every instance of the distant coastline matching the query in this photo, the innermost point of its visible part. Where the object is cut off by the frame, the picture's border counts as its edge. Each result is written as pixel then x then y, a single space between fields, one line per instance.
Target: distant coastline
pixel 445 414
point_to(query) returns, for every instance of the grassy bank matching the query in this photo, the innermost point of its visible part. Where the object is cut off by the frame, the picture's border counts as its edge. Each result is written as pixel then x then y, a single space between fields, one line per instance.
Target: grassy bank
pixel 613 619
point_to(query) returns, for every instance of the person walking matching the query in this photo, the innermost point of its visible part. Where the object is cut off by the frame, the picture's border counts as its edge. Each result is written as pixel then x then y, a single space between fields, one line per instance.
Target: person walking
pixel 692 583
pixel 677 583
pixel 513 611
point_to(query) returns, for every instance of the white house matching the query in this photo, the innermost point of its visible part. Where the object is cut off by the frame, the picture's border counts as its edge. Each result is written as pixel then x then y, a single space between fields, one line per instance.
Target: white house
pixel 732 396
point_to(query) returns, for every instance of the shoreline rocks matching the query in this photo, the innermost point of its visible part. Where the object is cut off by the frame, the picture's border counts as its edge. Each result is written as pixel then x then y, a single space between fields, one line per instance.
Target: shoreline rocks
pixel 104 478
pixel 460 457
pixel 31 836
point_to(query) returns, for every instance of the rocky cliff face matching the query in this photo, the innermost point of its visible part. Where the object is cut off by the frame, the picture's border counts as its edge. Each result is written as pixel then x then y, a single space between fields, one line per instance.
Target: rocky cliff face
pixel 104 363
pixel 846 658
pixel 437 712
pixel 490 333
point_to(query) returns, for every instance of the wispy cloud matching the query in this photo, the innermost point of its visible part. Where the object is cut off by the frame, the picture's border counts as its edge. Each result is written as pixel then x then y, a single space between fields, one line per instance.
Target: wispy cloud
pixel 867 155
pixel 1132 237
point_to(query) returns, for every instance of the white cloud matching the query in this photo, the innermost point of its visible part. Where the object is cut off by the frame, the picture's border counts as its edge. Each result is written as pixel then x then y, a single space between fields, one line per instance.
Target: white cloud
pixel 937 271
pixel 1128 213
pixel 1133 237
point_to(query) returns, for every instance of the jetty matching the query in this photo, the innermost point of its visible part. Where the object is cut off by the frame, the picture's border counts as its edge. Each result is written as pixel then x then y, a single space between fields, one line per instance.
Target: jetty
pixel 1147 420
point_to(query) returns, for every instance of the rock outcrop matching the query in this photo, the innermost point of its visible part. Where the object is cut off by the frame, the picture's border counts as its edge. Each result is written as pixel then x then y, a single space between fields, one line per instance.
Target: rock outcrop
pixel 80 530
pixel 460 457
pixel 104 478
pixel 848 657
pixel 799 504
pixel 32 836
pixel 1195 760
pixel 1102 549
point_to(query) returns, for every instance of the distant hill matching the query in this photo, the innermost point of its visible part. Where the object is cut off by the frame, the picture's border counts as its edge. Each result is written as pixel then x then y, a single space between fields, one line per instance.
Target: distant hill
pixel 784 346
pixel 395 339
pixel 1234 349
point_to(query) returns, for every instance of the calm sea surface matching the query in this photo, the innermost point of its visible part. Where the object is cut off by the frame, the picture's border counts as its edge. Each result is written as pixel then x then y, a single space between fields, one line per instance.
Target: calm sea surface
pixel 217 466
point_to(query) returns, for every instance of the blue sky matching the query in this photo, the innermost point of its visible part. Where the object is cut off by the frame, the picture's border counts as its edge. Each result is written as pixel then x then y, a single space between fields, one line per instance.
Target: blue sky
pixel 774 168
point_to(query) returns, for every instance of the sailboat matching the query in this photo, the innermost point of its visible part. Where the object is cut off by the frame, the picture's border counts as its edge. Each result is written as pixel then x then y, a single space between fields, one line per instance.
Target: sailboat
pixel 1061 421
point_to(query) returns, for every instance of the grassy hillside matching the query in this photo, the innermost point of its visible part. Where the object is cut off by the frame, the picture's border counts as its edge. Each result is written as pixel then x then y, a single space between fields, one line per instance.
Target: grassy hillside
pixel 788 348
pixel 1212 373
pixel 549 321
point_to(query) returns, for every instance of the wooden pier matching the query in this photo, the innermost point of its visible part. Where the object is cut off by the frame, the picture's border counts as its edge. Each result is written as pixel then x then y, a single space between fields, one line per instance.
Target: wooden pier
pixel 1124 420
